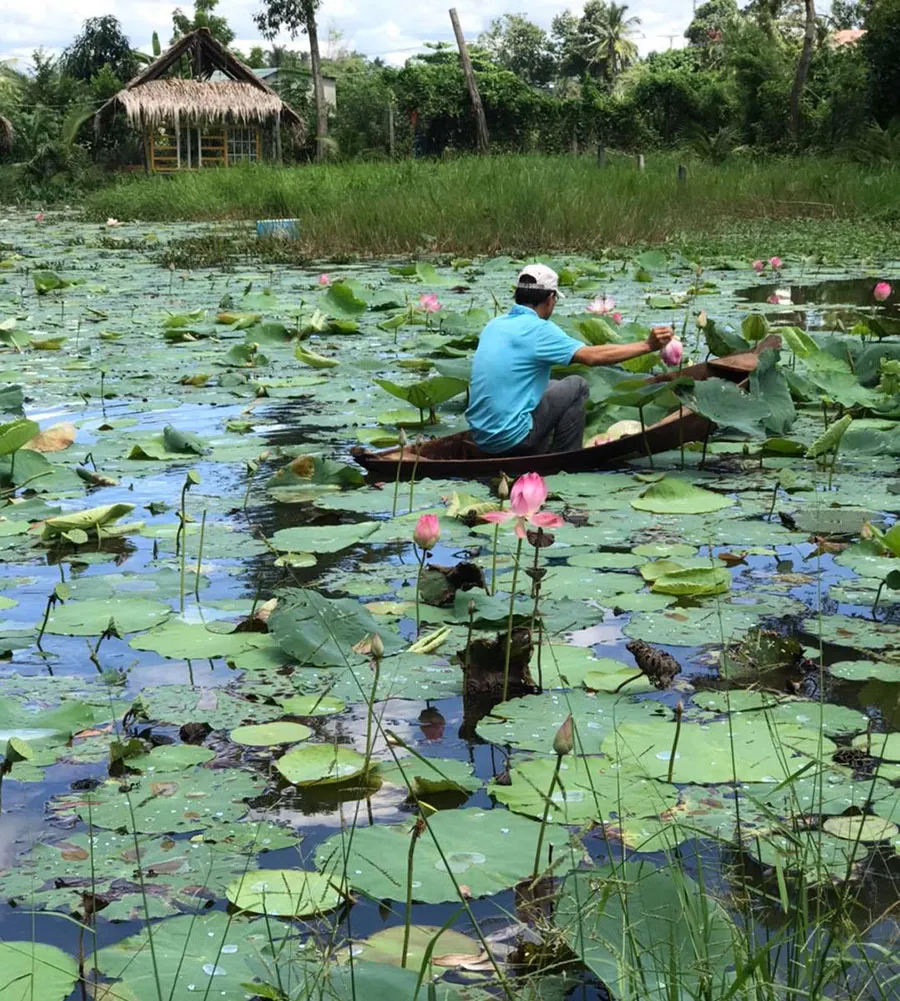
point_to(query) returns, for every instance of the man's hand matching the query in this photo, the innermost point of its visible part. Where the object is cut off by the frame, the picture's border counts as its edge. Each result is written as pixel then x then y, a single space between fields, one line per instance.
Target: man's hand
pixel 659 337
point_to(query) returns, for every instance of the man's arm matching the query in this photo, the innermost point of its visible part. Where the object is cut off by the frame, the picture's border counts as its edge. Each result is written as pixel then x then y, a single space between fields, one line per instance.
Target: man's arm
pixel 613 354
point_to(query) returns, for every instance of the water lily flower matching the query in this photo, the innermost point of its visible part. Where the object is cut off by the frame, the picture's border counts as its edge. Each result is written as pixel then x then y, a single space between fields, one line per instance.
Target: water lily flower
pixel 672 352
pixel 39 217
pixel 601 305
pixel 882 292
pixel 617 318
pixel 776 263
pixel 324 280
pixel 525 501
pixel 112 222
pixel 427 533
pixel 758 265
pixel 429 302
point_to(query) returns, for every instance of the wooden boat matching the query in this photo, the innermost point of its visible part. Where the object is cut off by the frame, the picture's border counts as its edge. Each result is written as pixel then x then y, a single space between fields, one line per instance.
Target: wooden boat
pixel 458 455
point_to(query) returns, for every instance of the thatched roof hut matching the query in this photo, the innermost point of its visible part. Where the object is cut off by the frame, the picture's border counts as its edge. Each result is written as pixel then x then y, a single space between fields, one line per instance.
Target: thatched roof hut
pixel 197 122
pixel 6 135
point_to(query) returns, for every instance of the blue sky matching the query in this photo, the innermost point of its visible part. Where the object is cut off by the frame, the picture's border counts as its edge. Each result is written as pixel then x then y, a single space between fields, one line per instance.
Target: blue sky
pixel 376 27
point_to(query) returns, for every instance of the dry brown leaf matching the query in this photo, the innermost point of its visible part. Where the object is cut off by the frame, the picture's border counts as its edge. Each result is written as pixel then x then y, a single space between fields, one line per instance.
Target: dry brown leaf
pixel 733 559
pixel 54 439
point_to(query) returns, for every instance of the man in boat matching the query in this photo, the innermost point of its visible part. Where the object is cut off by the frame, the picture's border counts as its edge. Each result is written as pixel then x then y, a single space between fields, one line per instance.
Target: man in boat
pixel 514 408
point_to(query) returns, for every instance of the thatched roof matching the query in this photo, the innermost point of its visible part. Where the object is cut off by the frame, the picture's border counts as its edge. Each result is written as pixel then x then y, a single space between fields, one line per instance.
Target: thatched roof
pixel 160 101
pixel 150 98
pixel 6 134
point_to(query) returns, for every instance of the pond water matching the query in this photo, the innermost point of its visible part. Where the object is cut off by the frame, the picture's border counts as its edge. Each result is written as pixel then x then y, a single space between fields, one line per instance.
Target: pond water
pixel 140 818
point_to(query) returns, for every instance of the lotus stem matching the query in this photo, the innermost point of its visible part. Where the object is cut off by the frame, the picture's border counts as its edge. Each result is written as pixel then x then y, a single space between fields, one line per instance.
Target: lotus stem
pixel 679 711
pixel 469 636
pixel 397 484
pixel 51 601
pixel 412 482
pixel 494 559
pixel 644 437
pixel 421 559
pixel 376 676
pixel 825 414
pixel 774 501
pixel 703 456
pixel 681 432
pixel 549 799
pixel 200 557
pixel 509 624
pixel 407 927
pixel 874 607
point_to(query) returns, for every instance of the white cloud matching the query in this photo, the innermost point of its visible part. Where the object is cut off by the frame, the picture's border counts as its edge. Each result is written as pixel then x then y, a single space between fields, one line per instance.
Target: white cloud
pixel 374 27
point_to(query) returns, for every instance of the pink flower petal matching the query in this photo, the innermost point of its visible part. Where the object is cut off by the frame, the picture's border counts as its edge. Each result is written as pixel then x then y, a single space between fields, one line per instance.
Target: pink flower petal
pixel 547 519
pixel 498 517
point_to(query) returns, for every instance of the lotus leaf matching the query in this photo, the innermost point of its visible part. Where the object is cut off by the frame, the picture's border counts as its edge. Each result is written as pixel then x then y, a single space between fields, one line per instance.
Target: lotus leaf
pixel 617 917
pixel 728 407
pixel 693 583
pixel 431 777
pixel 844 630
pixel 90 520
pixel 320 764
pixel 428 393
pixel 864 829
pixel 284 893
pixel 818 856
pixel 722 751
pixel 171 758
pixel 692 626
pixel 94 617
pixel 439 944
pixel 865 670
pixel 589 789
pixel 179 640
pixel 168 802
pixel 32 970
pixel 673 496
pixel 312 705
pixel 269 734
pixel 880 745
pixel 322 538
pixel 220 709
pixel 486 850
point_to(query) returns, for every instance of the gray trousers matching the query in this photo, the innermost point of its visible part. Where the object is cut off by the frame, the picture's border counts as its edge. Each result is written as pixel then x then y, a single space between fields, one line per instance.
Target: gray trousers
pixel 558 420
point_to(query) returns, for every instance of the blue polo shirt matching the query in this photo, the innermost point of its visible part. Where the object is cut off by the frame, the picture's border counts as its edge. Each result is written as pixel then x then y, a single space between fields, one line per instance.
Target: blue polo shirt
pixel 510 374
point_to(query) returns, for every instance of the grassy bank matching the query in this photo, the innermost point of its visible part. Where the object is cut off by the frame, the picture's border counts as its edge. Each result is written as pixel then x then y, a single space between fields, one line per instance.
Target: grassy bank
pixel 515 203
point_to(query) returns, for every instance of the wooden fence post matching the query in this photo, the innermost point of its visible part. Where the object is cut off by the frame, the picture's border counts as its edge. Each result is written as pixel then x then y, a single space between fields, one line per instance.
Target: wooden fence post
pixel 480 120
pixel 639 161
pixel 682 173
pixel 601 155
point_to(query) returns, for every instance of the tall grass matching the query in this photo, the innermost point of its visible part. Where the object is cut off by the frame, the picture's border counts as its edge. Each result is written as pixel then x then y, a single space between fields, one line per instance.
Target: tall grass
pixel 507 203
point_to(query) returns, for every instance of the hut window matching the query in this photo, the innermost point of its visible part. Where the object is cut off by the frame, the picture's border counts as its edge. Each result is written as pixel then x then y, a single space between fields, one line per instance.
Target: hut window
pixel 243 145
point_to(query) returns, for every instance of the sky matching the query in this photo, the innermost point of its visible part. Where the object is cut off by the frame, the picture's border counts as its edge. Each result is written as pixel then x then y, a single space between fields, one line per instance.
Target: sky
pixel 374 27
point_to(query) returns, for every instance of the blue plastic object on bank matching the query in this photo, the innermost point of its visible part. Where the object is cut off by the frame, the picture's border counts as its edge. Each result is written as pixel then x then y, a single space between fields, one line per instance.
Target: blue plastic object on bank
pixel 287 229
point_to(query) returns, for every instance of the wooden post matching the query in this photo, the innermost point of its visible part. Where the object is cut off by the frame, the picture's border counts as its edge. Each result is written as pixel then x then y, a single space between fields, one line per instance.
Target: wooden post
pixel 278 153
pixel 639 161
pixel 200 148
pixel 178 140
pixel 601 155
pixel 682 173
pixel 187 135
pixel 480 120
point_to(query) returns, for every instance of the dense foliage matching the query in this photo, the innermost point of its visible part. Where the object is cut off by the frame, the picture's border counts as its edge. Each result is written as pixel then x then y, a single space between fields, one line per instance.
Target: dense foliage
pixel 578 85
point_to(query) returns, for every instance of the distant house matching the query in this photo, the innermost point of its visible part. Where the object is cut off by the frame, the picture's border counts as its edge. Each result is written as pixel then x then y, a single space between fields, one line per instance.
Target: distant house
pixel 276 78
pixel 219 115
pixel 849 36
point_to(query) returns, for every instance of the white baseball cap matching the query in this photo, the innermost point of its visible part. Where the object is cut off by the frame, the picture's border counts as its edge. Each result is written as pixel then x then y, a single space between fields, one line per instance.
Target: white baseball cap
pixel 541 278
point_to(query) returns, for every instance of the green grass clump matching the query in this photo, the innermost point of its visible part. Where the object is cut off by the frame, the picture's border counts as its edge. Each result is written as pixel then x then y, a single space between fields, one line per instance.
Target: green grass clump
pixel 516 204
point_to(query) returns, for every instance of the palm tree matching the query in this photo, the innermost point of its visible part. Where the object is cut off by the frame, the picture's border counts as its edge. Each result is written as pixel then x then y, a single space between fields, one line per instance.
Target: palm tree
pixel 605 37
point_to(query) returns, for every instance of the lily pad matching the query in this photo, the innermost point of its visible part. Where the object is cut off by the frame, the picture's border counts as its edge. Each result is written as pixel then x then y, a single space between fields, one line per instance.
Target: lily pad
pixel 441 945
pixel 35 970
pixel 92 618
pixel 864 829
pixel 321 764
pixel 672 496
pixel 431 777
pixel 486 850
pixel 322 538
pixel 880 745
pixel 284 893
pixel 269 734
pixel 312 705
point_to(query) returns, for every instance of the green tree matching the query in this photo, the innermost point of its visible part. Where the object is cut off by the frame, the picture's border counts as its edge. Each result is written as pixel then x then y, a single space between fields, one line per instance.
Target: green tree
pixel 847 14
pixel 296 16
pixel 203 17
pixel 879 46
pixel 101 42
pixel 257 57
pixel 710 21
pixel 604 38
pixel 524 48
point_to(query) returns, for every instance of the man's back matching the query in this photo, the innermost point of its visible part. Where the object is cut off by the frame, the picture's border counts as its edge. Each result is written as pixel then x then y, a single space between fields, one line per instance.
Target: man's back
pixel 510 373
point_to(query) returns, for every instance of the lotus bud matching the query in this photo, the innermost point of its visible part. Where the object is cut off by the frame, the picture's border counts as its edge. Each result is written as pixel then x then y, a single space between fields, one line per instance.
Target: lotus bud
pixel 679 709
pixel 702 319
pixel 377 646
pixel 776 263
pixel 471 608
pixel 428 531
pixel 882 292
pixel 564 741
pixel 672 352
pixel 402 438
pixel 503 487
pixel 758 266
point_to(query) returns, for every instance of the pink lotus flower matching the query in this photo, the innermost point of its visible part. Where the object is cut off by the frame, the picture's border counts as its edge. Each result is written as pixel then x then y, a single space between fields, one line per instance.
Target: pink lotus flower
pixel 776 263
pixel 112 223
pixel 428 531
pixel 39 217
pixel 525 501
pixel 601 305
pixel 773 300
pixel 429 302
pixel 758 266
pixel 672 352
pixel 324 280
pixel 564 741
pixel 617 318
pixel 882 292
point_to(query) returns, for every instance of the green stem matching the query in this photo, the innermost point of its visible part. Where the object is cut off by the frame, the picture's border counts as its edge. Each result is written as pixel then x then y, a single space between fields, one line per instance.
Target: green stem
pixel 200 557
pixel 547 802
pixel 397 484
pixel 678 714
pixel 376 670
pixel 509 624
pixel 412 482
pixel 418 588
pixel 494 560
pixel 469 637
pixel 407 927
